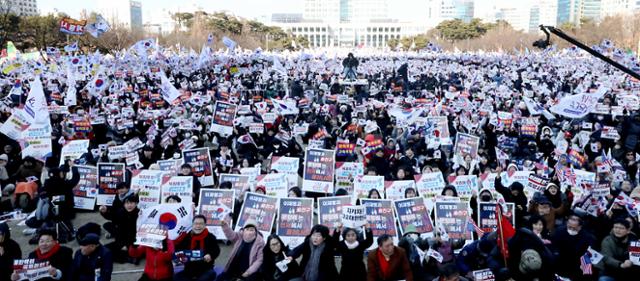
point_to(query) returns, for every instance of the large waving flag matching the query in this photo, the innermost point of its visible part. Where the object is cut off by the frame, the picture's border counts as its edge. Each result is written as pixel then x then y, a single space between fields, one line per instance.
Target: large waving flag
pixel 169 92
pixel 141 47
pixel 35 106
pixel 229 43
pixel 98 27
pixel 73 47
pixel 285 107
pixel 578 106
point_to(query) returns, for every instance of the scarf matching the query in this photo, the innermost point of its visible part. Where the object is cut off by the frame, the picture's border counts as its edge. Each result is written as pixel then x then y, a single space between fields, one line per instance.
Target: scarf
pixel 384 265
pixel 48 254
pixel 351 246
pixel 313 265
pixel 197 240
pixel 125 195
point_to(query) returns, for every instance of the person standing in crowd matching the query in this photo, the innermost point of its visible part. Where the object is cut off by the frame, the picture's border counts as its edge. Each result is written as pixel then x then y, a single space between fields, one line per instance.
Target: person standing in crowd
pixel 92 262
pixel 350 64
pixel 49 250
pixel 246 256
pixel 317 253
pixel 351 249
pixel 198 239
pixel 158 264
pixel 9 251
pixel 615 249
pixel 274 254
pixel 388 262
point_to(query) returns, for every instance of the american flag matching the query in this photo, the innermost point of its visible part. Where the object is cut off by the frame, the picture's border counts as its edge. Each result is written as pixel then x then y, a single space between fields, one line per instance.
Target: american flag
pixel 585 264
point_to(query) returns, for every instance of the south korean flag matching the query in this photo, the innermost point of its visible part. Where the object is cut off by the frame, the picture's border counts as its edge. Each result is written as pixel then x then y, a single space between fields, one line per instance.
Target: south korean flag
pixel 176 217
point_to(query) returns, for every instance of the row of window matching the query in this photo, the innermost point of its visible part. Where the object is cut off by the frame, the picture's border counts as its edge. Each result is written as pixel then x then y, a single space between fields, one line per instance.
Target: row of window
pixel 324 29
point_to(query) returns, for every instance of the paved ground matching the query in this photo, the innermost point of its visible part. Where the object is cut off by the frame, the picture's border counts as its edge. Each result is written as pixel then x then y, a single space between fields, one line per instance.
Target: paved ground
pixel 122 272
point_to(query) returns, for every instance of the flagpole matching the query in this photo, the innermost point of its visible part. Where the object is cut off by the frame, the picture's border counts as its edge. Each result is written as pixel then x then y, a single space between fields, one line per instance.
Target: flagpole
pixel 500 233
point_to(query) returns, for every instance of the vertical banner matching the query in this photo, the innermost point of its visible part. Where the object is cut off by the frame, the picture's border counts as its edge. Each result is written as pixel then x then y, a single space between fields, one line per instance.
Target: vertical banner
pixel 288 166
pixel 274 184
pixel 318 170
pixel 215 205
pixel 330 210
pixel 346 173
pixel 363 184
pixel 394 190
pixel 466 144
pixel 413 211
pixel 109 176
pixel 175 218
pixel 380 219
pixel 295 219
pixel 200 161
pixel 223 116
pixel 85 192
pixel 261 208
pixel 487 215
pixel 239 183
pixel 181 186
pixel 452 217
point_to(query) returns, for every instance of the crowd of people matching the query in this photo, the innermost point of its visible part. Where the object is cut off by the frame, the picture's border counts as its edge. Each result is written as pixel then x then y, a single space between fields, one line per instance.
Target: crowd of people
pixel 564 231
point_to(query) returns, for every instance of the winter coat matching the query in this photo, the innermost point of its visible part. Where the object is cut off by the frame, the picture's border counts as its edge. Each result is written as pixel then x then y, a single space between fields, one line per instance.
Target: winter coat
pixel 61 260
pixel 196 268
pixel 399 266
pixel 159 264
pixel 11 252
pixel 615 252
pixel 569 249
pixel 83 268
pixel 327 268
pixel 352 267
pixel 256 256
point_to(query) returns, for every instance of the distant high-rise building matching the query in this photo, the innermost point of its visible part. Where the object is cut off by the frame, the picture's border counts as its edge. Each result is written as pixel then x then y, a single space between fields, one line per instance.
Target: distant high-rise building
pixel 569 11
pixel 590 9
pixel 616 7
pixel 127 13
pixel 20 7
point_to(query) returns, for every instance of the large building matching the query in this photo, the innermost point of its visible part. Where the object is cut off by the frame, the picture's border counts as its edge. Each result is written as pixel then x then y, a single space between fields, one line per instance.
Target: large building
pixel 569 11
pixel 127 13
pixel 346 23
pixel 19 7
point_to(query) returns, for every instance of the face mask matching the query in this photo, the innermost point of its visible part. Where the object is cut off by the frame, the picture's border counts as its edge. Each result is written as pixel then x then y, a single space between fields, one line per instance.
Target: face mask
pixel 600 117
pixel 572 232
pixel 414 236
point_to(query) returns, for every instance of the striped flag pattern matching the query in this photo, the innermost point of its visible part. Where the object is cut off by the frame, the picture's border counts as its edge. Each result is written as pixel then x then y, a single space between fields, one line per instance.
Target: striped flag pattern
pixel 585 264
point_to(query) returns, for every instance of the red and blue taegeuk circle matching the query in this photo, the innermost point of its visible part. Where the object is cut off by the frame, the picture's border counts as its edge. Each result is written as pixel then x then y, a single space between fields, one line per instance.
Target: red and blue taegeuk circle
pixel 169 220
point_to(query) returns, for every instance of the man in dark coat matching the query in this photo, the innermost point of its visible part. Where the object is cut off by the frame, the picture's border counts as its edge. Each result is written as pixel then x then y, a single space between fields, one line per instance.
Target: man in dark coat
pixel 49 250
pixel 9 251
pixel 92 262
pixel 199 240
pixel 571 242
pixel 125 228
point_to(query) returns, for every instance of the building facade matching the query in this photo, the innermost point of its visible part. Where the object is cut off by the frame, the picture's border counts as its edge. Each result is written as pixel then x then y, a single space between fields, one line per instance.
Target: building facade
pixel 127 13
pixel 20 7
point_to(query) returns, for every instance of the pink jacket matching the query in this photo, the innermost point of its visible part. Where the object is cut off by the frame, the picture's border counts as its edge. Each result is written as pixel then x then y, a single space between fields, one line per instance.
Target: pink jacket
pixel 255 259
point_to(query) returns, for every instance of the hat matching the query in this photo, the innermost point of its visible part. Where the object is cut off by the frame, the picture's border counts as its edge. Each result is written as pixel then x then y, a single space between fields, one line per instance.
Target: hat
pixel 552 184
pixel 261 188
pixel 4 157
pixel 250 223
pixel 530 261
pixel 90 239
pixel 411 228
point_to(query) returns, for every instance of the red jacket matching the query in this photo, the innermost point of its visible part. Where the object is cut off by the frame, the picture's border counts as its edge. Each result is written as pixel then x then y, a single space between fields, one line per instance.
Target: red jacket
pixel 159 264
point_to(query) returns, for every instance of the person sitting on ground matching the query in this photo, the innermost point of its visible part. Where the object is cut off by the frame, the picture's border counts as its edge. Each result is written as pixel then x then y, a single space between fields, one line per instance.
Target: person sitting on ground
pixel 246 256
pixel 198 239
pixel 58 257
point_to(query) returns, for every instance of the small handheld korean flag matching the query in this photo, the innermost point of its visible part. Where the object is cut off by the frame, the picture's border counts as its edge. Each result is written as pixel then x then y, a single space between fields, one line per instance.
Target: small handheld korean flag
pixel 230 44
pixel 210 39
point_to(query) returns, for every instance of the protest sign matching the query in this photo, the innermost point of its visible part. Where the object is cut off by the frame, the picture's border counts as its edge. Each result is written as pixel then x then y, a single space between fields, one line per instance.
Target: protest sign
pixel 200 162
pixel 395 190
pixel 252 173
pixel 346 172
pixel 109 176
pixel 295 219
pixel 150 235
pixel 36 141
pixel 353 216
pixel 15 125
pixel 73 149
pixel 465 185
pixel 147 184
pixel 170 167
pixel 507 178
pixel 174 217
pixel 439 129
pixel 537 183
pixel 452 217
pixel 223 116
pixel 288 166
pixel 239 183
pixel 31 269
pixel 413 211
pixel 578 106
pixel 634 252
pixel 275 184
pixel 362 185
pixel 483 275
pixel 117 152
pixel 487 215
pixel 466 145
pixel 330 210
pixel 345 149
pixel 261 208
pixel 85 192
pixel 72 26
pixel 256 128
pixel 216 205
pixel 181 186
pixel 185 256
pixel 609 132
pixel 380 219
pixel 318 170
pixel 429 184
